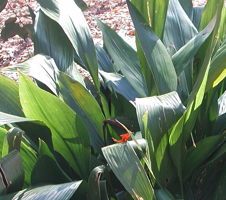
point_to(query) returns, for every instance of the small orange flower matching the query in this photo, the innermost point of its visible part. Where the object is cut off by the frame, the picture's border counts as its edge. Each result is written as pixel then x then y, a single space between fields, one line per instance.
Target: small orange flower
pixel 124 137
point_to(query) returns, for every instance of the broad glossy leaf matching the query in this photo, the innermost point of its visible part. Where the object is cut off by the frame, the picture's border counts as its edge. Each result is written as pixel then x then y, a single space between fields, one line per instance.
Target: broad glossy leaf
pixel 12 173
pixel 30 126
pixel 104 62
pixel 81 4
pixel 222 104
pixel 46 169
pixel 205 180
pixel 70 91
pixel 127 167
pixel 3 4
pixel 178 28
pixel 95 191
pixel 72 21
pixel 197 155
pixel 9 95
pixel 68 130
pixel 162 111
pixel 182 57
pixel 120 85
pixel 212 8
pixel 14 137
pixel 29 158
pixel 10 30
pixel 156 54
pixel 155 12
pixel 2 138
pixel 43 69
pixel 47 42
pixel 83 103
pixel 217 68
pixel 220 190
pixel 56 192
pixel 183 127
pixel 194 13
pixel 8 119
pixel 124 57
pixel 178 31
pixel 163 194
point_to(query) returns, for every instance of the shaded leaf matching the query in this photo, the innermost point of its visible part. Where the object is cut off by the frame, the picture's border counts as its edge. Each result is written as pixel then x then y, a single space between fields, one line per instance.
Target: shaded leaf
pixel 197 155
pixel 57 192
pixel 95 191
pixel 3 4
pixel 155 12
pixel 124 57
pixel 46 41
pixel 160 63
pixel 76 96
pixel 72 21
pixel 10 30
pixel 162 112
pixel 14 137
pixel 81 4
pixel 42 172
pixel 12 173
pixel 182 57
pixel 128 169
pixel 116 81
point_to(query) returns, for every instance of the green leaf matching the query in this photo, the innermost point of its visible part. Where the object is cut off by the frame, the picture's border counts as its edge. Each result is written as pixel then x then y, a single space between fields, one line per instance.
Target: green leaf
pixel 162 112
pixel 217 67
pixel 12 173
pixel 29 158
pixel 14 137
pixel 81 4
pixel 182 57
pixel 156 54
pixel 212 8
pixel 2 138
pixel 70 91
pixel 42 172
pixel 8 119
pixel 127 167
pixel 220 190
pixel 67 128
pixel 47 42
pixel 76 96
pixel 9 93
pixel 43 69
pixel 197 155
pixel 56 192
pixel 95 191
pixel 124 57
pixel 119 84
pixel 155 12
pixel 163 194
pixel 30 126
pixel 10 30
pixel 178 28
pixel 72 21
pixel 3 4
pixel 104 62
pixel 183 127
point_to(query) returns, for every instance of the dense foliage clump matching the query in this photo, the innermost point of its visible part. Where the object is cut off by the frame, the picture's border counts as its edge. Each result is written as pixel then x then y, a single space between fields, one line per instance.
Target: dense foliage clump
pixel 165 99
